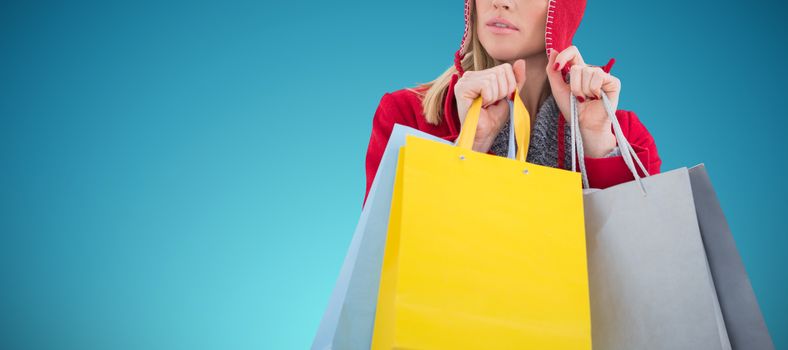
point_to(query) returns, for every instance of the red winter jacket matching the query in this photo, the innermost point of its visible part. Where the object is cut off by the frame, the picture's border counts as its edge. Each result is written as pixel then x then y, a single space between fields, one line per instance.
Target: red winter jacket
pixel 404 107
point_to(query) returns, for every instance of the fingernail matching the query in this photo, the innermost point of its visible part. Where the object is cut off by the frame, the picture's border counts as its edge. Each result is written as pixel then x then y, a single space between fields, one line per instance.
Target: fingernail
pixel 555 67
pixel 581 99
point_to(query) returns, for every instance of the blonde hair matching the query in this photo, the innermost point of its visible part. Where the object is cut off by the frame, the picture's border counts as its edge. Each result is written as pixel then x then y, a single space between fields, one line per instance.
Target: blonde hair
pixel 433 93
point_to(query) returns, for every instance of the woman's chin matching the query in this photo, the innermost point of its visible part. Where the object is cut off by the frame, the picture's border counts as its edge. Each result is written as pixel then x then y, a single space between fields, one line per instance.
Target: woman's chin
pixel 504 56
pixel 509 55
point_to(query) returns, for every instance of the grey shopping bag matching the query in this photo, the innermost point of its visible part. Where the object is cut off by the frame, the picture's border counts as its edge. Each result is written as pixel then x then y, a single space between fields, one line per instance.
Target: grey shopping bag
pixel 649 280
pixel 740 310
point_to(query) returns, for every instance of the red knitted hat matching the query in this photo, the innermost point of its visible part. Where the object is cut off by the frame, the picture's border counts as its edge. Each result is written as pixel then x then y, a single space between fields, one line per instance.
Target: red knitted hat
pixel 563 19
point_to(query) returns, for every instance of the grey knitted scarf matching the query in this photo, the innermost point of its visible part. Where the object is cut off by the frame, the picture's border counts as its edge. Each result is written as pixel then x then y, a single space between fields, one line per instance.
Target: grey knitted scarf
pixel 543 147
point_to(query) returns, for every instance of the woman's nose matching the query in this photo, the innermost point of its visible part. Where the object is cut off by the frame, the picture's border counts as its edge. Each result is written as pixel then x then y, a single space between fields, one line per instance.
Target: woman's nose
pixel 505 4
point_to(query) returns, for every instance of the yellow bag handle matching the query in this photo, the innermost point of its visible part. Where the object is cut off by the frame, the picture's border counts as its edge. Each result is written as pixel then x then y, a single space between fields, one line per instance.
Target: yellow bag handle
pixel 522 126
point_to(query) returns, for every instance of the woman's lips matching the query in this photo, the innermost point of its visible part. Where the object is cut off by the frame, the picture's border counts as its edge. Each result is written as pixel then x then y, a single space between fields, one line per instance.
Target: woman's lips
pixel 500 25
pixel 501 30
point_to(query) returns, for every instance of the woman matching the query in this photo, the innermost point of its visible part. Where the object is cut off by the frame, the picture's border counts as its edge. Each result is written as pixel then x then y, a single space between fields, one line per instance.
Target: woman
pixel 523 44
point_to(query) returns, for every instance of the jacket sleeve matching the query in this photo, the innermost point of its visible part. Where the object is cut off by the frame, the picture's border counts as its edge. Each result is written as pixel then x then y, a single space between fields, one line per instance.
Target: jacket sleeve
pixel 382 125
pixel 611 171
pixel 450 110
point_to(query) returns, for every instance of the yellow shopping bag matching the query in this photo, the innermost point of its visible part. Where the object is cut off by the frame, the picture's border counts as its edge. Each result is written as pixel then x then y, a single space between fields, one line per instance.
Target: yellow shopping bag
pixel 483 252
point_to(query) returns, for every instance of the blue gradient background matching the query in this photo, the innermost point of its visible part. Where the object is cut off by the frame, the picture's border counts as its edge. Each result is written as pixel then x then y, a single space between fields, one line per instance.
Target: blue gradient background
pixel 188 174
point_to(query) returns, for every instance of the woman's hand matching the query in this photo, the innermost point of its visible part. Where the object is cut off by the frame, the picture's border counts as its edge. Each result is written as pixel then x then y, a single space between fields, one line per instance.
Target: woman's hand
pixel 587 84
pixel 493 85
